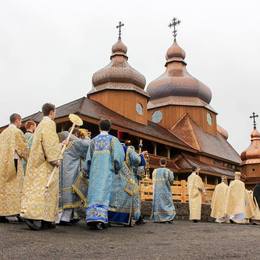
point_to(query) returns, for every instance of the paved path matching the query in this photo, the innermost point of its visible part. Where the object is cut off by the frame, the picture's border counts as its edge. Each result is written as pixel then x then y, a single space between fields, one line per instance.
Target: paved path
pixel 182 240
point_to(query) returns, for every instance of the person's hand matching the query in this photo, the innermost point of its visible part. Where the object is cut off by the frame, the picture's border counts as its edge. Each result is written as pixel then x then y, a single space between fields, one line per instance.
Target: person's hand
pixel 56 163
pixel 145 153
pixel 84 174
pixel 65 142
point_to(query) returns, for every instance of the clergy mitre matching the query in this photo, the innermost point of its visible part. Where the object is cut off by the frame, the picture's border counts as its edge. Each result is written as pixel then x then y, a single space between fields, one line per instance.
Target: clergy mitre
pixel 84 133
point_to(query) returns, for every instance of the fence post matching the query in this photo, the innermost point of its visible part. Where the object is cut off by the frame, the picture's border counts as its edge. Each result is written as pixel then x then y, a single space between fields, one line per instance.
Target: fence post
pixel 183 191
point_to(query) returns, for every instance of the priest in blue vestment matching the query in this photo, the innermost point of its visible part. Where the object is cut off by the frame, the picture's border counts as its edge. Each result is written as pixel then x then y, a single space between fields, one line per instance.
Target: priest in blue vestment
pixel 125 197
pixel 104 159
pixel 73 185
pixel 163 209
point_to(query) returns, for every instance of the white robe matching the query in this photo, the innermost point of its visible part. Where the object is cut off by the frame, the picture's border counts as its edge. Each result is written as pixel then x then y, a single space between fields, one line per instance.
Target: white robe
pixel 236 201
pixel 195 189
pixel 218 203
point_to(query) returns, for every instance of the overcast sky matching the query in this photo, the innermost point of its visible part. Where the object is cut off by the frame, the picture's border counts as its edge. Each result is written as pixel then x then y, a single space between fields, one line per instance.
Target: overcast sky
pixel 49 50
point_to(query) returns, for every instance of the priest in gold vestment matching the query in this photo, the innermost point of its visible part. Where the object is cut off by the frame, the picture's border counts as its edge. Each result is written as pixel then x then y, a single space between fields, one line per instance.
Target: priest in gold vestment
pixel 236 200
pixel 195 190
pixel 39 205
pixel 13 148
pixel 218 202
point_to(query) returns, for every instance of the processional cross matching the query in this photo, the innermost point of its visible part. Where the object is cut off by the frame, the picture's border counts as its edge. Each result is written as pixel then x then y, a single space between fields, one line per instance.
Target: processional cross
pixel 119 26
pixel 254 116
pixel 173 24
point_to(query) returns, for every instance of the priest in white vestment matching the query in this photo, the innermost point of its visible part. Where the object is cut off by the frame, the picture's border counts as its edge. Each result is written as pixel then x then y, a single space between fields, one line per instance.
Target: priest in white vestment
pixel 236 200
pixel 218 202
pixel 195 191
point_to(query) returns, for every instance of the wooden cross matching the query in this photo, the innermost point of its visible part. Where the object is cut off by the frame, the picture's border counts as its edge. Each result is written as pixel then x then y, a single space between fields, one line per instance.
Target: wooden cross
pixel 254 116
pixel 173 24
pixel 119 26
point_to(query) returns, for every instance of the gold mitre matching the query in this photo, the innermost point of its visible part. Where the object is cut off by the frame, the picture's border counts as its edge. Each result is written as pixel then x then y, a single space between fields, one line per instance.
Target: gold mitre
pixel 84 132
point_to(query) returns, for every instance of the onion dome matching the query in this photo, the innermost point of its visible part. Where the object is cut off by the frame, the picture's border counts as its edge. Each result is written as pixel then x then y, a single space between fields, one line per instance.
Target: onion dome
pixel 119 48
pixel 253 151
pixel 176 80
pixel 118 74
pixel 222 131
pixel 175 52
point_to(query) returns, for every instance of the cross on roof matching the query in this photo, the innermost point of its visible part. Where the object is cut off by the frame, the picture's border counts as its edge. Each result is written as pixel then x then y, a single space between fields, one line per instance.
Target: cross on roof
pixel 173 24
pixel 254 116
pixel 119 26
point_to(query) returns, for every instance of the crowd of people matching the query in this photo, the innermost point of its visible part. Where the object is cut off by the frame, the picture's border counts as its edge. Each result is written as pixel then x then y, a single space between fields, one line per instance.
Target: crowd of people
pixel 100 175
pixel 234 203
pixel 42 186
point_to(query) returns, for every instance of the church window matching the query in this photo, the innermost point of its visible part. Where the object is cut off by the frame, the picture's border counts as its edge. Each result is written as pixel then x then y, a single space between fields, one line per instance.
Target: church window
pixel 157 116
pixel 139 109
pixel 209 118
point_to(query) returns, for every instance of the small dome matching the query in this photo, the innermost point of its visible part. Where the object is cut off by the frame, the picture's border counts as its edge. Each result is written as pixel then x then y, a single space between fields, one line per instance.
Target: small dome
pixel 119 48
pixel 118 70
pixel 175 51
pixel 255 135
pixel 176 80
pixel 253 151
pixel 222 131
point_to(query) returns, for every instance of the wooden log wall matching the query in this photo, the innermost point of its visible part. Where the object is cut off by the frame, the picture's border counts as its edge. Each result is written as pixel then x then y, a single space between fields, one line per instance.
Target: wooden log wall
pixel 179 191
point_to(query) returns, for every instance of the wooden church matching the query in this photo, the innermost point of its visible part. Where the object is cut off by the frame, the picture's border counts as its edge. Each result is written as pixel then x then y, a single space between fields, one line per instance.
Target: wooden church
pixel 171 115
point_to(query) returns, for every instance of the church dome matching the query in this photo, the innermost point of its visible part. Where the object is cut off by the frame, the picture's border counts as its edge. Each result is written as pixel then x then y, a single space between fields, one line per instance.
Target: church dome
pixel 253 151
pixel 118 70
pixel 222 131
pixel 176 80
pixel 119 48
pixel 175 52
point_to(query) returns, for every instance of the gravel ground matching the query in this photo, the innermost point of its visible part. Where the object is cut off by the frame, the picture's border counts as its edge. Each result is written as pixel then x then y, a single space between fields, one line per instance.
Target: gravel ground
pixel 181 240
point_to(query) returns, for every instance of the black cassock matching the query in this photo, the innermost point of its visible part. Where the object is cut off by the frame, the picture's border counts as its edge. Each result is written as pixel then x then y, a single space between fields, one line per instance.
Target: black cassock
pixel 257 193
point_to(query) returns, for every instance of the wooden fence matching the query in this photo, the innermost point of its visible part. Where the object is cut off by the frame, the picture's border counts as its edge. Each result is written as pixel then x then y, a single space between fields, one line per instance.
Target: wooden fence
pixel 179 191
